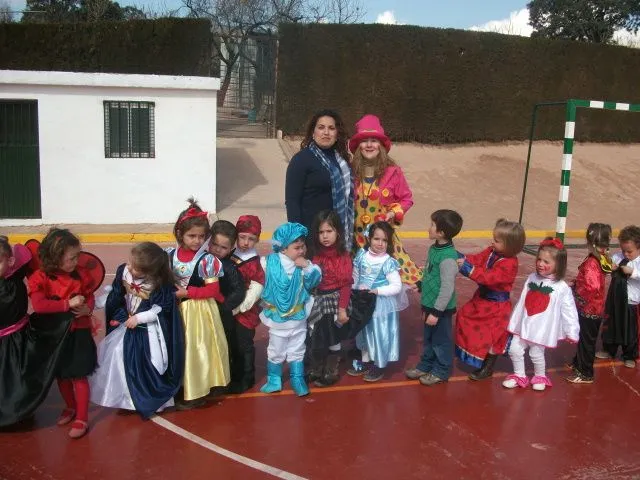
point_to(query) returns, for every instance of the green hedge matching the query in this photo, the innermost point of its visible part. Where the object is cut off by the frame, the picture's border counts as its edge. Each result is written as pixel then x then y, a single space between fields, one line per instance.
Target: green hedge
pixel 166 46
pixel 451 86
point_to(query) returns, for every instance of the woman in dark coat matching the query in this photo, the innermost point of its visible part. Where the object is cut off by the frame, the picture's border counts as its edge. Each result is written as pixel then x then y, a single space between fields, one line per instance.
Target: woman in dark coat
pixel 319 176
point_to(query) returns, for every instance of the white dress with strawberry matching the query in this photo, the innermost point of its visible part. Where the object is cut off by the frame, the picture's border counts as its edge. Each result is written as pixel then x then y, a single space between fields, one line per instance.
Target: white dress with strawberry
pixel 545 313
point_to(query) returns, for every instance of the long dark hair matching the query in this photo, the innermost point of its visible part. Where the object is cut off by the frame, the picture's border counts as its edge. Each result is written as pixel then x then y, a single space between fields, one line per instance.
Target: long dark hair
pixel 153 262
pixel 341 141
pixel 388 231
pixel 333 220
pixel 53 246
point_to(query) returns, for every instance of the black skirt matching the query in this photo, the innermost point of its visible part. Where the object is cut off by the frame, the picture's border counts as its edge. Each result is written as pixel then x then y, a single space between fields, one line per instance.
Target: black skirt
pixel 28 364
pixel 361 307
pixel 78 357
pixel 621 325
pixel 325 333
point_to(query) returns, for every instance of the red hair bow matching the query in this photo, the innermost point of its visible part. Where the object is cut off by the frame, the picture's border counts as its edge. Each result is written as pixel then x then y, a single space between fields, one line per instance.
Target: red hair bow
pixel 193 213
pixel 552 242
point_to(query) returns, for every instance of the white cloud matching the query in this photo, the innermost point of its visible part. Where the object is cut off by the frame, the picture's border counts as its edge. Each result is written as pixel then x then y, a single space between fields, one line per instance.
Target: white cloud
pixel 627 39
pixel 387 17
pixel 516 24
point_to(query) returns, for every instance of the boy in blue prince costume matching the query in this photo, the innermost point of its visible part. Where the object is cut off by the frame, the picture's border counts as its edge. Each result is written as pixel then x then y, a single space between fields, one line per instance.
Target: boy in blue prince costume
pixel 287 303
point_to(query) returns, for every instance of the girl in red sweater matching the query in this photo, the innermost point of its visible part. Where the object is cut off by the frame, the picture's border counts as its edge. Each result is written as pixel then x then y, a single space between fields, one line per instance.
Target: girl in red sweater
pixel 329 312
pixel 589 293
pixel 61 292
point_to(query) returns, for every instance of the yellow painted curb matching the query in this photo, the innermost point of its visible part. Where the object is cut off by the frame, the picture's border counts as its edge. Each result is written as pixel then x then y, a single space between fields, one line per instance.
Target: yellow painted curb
pixel 169 238
pixel 103 237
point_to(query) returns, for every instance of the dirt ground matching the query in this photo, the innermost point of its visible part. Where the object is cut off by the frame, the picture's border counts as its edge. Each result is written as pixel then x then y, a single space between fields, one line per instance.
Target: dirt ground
pixel 482 181
pixel 485 181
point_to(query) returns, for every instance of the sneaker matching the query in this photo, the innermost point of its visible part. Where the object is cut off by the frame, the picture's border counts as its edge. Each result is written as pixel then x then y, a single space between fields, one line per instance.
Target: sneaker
pixel 602 355
pixel 358 369
pixel 539 387
pixel 630 363
pixel 415 373
pixel 373 374
pixel 571 367
pixel 578 378
pixel 430 379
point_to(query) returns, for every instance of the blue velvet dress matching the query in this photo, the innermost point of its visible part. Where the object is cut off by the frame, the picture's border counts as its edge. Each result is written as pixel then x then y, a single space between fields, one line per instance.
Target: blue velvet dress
pixel 138 369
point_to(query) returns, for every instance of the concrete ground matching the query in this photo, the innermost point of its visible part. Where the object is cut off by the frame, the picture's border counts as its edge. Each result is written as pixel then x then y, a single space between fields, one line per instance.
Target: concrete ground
pixel 392 429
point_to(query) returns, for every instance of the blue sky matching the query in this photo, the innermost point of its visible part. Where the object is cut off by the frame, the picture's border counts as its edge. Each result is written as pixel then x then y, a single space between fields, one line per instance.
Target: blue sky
pixel 462 14
pixel 500 16
pixel 432 13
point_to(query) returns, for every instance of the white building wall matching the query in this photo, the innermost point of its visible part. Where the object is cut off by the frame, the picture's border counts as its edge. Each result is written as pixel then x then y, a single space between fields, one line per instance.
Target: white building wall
pixel 80 185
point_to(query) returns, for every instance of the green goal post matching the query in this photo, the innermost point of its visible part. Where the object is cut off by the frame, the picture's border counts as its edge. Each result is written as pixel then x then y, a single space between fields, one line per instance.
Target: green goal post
pixel 567 152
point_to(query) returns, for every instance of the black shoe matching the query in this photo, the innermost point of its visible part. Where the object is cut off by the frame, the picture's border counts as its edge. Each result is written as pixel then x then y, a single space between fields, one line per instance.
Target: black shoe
pixel 190 404
pixel 486 370
pixel 331 372
pixel 316 368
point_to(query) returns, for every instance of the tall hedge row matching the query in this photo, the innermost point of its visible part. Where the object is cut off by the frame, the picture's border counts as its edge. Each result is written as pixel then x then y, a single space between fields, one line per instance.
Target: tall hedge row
pixel 449 86
pixel 166 46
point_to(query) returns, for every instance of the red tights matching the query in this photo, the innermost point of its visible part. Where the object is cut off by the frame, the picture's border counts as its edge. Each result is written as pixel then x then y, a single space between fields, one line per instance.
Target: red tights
pixel 75 394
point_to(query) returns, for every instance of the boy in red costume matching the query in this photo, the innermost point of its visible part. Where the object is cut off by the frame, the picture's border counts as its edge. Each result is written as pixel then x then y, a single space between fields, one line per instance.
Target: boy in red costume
pixel 247 260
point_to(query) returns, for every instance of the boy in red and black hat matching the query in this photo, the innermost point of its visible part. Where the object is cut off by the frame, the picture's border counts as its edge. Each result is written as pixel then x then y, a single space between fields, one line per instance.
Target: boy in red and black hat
pixel 247 260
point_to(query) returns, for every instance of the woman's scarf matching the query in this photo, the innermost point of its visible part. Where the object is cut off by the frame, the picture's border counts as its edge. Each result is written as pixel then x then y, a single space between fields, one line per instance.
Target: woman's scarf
pixel 341 190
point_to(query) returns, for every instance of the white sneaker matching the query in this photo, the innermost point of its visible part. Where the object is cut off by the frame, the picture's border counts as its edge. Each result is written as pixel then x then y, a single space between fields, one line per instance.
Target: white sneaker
pixel 539 387
pixel 602 355
pixel 510 383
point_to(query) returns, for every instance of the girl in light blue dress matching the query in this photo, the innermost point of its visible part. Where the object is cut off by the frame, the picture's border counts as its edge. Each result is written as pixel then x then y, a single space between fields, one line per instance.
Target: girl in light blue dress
pixel 374 269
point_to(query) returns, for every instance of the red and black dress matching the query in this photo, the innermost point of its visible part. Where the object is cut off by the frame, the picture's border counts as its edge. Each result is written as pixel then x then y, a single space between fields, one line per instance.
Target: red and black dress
pixel 481 324
pixel 332 294
pixel 76 358
pixel 589 294
pixel 246 320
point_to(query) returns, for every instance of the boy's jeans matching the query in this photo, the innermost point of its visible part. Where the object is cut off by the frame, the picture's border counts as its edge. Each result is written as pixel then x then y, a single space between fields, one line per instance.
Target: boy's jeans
pixel 437 355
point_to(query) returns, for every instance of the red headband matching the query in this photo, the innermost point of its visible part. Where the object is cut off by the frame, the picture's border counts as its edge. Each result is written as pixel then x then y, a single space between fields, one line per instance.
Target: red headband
pixel 192 213
pixel 552 242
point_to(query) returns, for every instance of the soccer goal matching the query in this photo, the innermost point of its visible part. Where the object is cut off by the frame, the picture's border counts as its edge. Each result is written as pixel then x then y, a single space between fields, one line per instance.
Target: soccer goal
pixel 571 107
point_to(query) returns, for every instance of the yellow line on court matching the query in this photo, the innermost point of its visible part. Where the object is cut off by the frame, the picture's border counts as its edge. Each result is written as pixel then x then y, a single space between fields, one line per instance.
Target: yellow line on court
pixel 169 238
pixel 402 383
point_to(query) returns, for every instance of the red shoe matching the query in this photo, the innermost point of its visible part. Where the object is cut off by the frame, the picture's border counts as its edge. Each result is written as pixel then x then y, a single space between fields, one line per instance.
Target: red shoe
pixel 67 415
pixel 78 429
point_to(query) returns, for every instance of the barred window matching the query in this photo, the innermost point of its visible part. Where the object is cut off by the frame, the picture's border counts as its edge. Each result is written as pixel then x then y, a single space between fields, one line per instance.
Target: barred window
pixel 129 130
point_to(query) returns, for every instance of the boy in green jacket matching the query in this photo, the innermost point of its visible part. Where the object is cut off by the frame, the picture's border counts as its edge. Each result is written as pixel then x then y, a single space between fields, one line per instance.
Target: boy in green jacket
pixel 438 300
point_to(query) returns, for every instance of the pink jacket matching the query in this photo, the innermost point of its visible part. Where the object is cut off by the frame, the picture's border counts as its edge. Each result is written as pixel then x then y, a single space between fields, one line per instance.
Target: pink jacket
pixel 395 192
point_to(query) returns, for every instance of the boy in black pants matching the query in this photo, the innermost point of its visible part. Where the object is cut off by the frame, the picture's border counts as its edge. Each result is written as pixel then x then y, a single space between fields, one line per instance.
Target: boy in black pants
pixel 223 239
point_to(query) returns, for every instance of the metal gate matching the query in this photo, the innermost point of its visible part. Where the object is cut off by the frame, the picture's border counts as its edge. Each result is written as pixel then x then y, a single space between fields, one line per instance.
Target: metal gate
pixel 246 106
pixel 19 159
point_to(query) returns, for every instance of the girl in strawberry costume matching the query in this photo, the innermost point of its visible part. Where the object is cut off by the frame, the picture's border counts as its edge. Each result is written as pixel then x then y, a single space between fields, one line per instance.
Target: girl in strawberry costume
pixel 545 314
pixel 381 190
